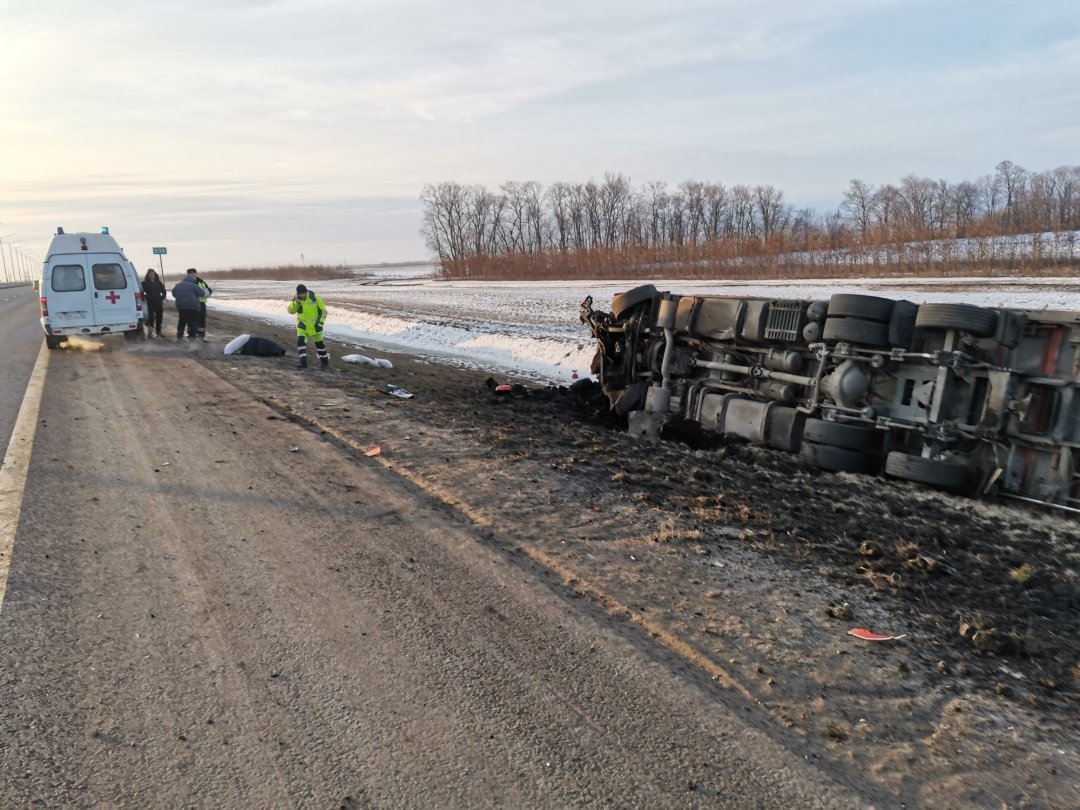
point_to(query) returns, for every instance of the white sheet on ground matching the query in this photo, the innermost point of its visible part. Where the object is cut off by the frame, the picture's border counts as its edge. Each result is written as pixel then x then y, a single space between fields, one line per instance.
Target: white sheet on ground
pixel 363 360
pixel 236 344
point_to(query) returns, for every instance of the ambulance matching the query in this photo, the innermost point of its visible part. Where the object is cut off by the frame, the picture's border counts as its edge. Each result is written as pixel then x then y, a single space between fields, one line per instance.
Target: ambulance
pixel 88 287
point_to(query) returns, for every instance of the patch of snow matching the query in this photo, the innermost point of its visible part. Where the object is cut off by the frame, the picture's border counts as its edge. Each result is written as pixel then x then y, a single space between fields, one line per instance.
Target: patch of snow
pixel 533 330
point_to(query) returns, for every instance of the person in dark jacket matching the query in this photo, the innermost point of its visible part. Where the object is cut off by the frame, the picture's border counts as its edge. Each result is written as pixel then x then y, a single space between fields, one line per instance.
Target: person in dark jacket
pixel 154 296
pixel 187 293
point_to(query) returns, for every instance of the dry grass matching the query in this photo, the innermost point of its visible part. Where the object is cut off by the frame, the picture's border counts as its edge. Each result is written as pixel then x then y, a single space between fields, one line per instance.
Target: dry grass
pixel 774 259
pixel 289 272
pixel 1022 574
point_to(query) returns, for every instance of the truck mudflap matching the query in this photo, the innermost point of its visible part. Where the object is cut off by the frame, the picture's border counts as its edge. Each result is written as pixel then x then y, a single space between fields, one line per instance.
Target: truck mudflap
pixel 980 401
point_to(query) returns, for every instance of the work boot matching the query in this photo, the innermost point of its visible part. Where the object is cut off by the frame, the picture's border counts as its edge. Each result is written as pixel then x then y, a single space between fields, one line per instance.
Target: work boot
pixel 324 362
pixel 302 362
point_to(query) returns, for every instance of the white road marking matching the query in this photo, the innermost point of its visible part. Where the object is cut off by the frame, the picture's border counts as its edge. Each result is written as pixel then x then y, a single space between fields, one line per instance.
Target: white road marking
pixel 16 464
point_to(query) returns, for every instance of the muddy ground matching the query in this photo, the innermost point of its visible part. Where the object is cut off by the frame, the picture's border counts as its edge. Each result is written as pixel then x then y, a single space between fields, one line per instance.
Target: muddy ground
pixel 739 566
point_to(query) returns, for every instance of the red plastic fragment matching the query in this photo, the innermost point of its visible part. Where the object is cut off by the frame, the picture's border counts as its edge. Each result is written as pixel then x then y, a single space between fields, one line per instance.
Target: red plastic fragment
pixel 503 389
pixel 867 635
pixel 374 451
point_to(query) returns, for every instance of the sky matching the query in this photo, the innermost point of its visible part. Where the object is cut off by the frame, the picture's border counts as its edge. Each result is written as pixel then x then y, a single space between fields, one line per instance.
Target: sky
pixel 240 133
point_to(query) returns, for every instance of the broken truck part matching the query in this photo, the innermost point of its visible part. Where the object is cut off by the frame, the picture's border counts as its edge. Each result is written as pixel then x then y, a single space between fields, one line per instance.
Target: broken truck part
pixel 969 399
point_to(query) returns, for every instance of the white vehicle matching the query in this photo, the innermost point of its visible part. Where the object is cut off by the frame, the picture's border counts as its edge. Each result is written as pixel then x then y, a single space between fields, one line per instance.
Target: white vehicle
pixel 88 287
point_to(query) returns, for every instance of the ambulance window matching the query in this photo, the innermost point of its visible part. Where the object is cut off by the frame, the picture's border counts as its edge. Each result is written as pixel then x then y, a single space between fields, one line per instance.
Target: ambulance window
pixel 68 278
pixel 109 277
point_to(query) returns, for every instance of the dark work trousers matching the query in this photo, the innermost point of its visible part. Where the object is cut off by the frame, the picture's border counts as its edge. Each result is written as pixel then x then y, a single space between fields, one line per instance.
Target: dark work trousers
pixel 202 319
pixel 189 319
pixel 320 350
pixel 154 313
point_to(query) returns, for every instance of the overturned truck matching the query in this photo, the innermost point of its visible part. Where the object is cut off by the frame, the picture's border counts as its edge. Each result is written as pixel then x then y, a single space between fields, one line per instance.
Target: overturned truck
pixel 965 398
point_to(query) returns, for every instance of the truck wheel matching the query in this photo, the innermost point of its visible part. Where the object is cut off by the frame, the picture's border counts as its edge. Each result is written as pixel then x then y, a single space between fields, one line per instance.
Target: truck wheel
pixel 838 459
pixel 851 437
pixel 976 321
pixel 856 330
pixel 902 324
pixel 867 307
pixel 624 302
pixel 931 471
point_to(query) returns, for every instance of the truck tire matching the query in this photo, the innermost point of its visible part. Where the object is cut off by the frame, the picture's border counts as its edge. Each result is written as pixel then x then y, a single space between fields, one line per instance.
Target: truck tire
pixel 976 321
pixel 902 324
pixel 856 330
pixel 867 307
pixel 838 459
pixel 934 472
pixel 624 302
pixel 850 437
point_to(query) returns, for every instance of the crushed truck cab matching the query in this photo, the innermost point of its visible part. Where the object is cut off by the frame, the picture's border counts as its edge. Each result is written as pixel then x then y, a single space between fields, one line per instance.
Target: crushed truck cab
pixel 965 398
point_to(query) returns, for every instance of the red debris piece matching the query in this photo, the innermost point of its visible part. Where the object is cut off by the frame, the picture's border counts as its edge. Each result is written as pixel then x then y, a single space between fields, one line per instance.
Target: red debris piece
pixel 374 451
pixel 867 635
pixel 503 389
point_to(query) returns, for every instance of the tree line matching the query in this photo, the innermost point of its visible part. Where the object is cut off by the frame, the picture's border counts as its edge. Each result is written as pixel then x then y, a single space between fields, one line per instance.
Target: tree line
pixel 699 229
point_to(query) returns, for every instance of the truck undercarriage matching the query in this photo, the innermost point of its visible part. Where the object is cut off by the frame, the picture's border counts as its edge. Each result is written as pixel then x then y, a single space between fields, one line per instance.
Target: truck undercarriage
pixel 970 399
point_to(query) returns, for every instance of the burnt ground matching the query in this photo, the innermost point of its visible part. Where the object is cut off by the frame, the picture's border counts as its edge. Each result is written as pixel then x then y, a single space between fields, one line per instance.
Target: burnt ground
pixel 742 570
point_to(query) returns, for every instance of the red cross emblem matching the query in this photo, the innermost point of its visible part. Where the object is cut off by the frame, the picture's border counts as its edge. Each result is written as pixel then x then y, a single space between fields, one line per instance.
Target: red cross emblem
pixel 113 297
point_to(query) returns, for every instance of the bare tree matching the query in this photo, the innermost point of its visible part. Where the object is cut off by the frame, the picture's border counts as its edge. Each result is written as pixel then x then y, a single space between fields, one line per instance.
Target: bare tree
pixel 915 201
pixel 965 206
pixel 743 225
pixel 1012 180
pixel 770 207
pixel 886 205
pixel 716 204
pixel 444 207
pixel 656 204
pixel 858 206
pixel 614 199
pixel 558 199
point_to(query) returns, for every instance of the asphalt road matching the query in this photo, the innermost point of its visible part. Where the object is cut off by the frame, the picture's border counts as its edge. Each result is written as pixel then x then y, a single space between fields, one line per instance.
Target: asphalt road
pixel 20 341
pixel 212 606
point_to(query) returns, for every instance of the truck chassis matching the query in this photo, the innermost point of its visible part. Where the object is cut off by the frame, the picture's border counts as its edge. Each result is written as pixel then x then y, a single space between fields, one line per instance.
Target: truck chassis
pixel 970 399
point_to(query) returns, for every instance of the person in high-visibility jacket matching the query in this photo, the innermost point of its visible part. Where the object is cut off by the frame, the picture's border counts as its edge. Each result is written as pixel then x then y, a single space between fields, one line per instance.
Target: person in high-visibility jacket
pixel 310 314
pixel 206 292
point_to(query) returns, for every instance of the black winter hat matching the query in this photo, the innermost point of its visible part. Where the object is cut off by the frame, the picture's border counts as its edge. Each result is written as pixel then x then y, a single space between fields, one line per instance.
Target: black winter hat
pixel 300 289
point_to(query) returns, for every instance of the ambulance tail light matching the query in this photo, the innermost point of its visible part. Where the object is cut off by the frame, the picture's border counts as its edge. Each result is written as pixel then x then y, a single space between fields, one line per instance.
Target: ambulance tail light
pixel 138 301
pixel 44 307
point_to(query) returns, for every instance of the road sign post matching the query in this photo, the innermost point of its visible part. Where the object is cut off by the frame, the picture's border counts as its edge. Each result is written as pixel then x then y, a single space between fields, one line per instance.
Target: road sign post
pixel 159 252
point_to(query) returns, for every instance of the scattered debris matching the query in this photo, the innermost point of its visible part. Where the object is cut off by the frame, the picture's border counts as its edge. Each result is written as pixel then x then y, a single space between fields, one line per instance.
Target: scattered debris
pixel 867 635
pixel 394 390
pixel 363 360
pixel 374 451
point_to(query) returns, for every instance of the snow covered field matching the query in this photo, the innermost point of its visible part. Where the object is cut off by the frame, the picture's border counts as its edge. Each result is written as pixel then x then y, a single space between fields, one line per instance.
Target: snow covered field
pixel 532 329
